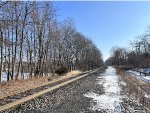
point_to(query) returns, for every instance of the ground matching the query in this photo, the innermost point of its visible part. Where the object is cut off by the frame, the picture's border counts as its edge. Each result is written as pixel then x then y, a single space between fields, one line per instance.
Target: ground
pixel 14 87
pixel 103 92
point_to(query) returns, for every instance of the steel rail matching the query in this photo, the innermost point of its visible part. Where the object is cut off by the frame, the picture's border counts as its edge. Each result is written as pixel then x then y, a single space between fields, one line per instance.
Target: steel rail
pixel 48 90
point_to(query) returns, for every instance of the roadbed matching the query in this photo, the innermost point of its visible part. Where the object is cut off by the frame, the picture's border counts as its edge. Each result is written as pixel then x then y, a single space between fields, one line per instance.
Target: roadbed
pixel 15 87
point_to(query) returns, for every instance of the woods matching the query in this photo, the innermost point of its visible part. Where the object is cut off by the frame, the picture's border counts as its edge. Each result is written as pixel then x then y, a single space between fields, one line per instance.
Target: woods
pixel 135 56
pixel 34 42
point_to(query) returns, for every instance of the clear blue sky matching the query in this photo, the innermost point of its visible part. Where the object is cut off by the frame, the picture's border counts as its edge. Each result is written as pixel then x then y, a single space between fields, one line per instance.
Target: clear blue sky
pixel 107 23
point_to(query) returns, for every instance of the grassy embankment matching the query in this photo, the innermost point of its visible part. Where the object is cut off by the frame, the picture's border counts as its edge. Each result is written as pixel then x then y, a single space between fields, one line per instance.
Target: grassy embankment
pixel 138 89
pixel 14 87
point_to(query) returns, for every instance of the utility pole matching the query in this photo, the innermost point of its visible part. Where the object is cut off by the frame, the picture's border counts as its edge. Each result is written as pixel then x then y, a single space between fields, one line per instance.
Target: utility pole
pixel 138 51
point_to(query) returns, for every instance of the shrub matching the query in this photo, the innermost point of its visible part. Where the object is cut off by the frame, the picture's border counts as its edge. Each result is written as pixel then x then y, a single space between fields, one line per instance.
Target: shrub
pixel 62 70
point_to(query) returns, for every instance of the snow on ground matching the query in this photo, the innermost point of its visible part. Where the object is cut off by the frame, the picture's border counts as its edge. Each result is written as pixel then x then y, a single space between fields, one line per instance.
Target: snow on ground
pixel 4 76
pixel 147 96
pixel 26 75
pixel 109 100
pixel 137 75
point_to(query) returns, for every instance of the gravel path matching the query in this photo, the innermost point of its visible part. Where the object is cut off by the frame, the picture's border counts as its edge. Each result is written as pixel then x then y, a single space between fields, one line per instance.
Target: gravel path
pixel 102 92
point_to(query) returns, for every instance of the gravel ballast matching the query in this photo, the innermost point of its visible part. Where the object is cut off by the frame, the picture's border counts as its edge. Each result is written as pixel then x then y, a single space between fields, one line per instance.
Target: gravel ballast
pixel 68 99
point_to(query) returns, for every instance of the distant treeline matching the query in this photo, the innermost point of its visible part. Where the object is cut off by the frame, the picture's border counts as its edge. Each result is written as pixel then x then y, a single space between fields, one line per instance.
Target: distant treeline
pixel 33 41
pixel 135 56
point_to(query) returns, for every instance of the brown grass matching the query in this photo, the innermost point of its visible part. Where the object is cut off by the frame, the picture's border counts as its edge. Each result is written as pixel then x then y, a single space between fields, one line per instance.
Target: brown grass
pixel 136 87
pixel 15 87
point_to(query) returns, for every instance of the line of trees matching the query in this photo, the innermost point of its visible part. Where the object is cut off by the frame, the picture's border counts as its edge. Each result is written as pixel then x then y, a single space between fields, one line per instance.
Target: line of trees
pixel 137 57
pixel 33 41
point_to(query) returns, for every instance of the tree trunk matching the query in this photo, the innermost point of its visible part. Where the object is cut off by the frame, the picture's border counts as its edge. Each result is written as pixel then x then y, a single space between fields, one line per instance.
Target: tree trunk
pixel 2 42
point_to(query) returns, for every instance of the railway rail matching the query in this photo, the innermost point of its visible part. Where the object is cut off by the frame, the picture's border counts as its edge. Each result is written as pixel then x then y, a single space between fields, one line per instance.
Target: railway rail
pixel 17 99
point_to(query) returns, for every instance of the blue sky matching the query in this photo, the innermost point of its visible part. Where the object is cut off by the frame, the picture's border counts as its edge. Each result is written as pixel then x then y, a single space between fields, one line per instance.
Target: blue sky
pixel 107 23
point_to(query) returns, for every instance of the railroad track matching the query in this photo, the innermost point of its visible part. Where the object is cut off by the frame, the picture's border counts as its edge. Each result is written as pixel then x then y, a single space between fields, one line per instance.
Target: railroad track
pixel 17 99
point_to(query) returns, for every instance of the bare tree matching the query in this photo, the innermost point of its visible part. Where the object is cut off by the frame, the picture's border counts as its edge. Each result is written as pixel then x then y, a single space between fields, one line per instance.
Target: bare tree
pixel 33 41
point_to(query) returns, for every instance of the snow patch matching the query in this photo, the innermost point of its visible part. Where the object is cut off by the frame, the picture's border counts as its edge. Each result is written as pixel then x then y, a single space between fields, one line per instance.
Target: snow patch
pixel 110 99
pixel 147 96
pixel 122 83
pixel 137 75
pixel 105 102
pixel 4 76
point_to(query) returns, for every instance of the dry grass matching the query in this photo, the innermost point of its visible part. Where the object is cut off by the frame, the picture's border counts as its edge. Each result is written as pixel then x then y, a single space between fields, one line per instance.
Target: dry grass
pixel 136 88
pixel 133 81
pixel 74 72
pixel 15 87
